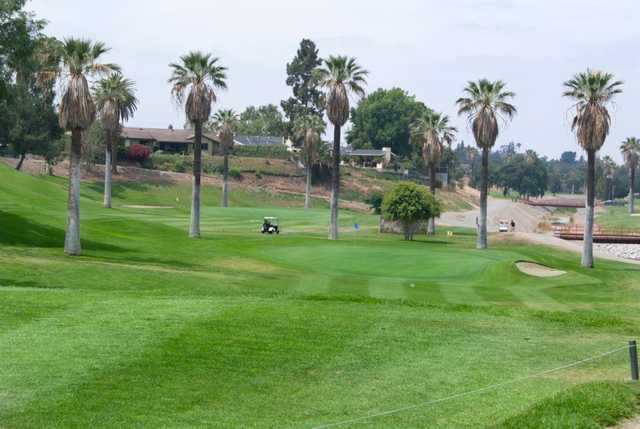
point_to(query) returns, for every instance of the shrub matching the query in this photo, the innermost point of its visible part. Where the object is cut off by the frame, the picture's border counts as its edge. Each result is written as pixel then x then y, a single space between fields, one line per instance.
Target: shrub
pixel 138 153
pixel 235 174
pixel 409 204
pixel 374 199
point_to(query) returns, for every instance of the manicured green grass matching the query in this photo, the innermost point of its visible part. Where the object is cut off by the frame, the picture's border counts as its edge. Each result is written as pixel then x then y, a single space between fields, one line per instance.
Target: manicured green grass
pixel 590 405
pixel 618 217
pixel 152 329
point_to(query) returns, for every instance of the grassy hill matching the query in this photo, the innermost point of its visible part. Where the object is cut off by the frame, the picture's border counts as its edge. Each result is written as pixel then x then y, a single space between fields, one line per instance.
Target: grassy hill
pixel 152 329
pixel 285 176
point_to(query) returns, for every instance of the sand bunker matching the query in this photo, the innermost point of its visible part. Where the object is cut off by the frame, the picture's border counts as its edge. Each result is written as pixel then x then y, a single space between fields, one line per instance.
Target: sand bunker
pixel 141 206
pixel 537 270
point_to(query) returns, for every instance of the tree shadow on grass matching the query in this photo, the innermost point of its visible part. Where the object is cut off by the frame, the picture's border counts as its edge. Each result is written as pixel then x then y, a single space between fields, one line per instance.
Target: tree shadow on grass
pixel 24 284
pixel 20 231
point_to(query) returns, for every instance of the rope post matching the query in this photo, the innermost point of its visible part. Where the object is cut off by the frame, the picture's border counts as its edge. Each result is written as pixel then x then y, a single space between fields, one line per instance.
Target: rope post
pixel 633 357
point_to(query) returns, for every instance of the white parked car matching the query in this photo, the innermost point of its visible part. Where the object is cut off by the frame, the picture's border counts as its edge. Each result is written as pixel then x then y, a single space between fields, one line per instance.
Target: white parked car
pixel 503 225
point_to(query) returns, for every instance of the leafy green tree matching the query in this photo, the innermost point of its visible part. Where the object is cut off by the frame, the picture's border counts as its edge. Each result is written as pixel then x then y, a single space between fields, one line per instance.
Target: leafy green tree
pixel 525 173
pixel 34 122
pixel 79 59
pixel 483 103
pixel 261 121
pixel 608 173
pixel 374 199
pixel 225 122
pixel 94 141
pixel 430 132
pixel 568 157
pixel 309 128
pixel 116 102
pixel 591 91
pixel 630 149
pixel 28 120
pixel 307 98
pixel 340 76
pixel 410 204
pixel 10 14
pixel 20 35
pixel 194 81
pixel 383 119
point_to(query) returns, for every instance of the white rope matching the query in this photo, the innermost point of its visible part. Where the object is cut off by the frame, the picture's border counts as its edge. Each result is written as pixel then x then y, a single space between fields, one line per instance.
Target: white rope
pixel 471 392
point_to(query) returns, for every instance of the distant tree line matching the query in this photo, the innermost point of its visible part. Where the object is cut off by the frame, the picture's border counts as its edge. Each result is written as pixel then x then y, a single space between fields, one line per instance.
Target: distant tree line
pixel 528 174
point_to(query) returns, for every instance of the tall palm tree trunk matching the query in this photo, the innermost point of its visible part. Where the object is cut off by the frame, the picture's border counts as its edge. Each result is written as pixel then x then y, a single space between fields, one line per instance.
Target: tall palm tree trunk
pixel 484 185
pixel 114 157
pixel 587 251
pixel 431 225
pixel 632 179
pixel 225 180
pixel 72 236
pixel 307 188
pixel 197 173
pixel 335 183
pixel 107 174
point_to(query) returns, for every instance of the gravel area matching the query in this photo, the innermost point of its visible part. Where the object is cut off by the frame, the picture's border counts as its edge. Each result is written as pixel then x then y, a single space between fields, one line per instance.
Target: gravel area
pixel 627 251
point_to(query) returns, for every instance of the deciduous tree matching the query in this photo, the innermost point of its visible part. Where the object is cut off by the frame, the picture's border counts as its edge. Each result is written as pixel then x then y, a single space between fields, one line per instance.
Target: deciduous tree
pixel 410 204
pixel 383 119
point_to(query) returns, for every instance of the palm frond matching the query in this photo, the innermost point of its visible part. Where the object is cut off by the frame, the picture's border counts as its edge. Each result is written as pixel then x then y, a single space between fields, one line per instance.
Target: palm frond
pixel 115 100
pixel 193 83
pixel 592 91
pixel 79 59
pixel 485 101
pixel 340 76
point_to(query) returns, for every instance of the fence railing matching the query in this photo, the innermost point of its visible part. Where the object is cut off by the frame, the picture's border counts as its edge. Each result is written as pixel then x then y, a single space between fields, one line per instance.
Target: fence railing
pixel 631 347
pixel 600 234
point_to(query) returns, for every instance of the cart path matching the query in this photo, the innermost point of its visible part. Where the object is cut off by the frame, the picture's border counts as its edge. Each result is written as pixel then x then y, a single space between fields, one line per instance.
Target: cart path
pixel 525 216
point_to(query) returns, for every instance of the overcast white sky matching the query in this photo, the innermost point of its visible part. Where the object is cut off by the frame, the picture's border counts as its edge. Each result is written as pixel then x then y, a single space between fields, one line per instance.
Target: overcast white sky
pixel 429 48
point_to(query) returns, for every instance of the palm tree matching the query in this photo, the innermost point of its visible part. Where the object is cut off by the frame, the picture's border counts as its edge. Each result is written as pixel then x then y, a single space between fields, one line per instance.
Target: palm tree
pixel 193 82
pixel 340 76
pixel 483 103
pixel 225 123
pixel 592 91
pixel 430 131
pixel 309 128
pixel 78 60
pixel 116 102
pixel 630 149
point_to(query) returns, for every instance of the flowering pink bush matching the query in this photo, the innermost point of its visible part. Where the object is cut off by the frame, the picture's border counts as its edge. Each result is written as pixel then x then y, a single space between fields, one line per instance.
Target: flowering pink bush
pixel 138 153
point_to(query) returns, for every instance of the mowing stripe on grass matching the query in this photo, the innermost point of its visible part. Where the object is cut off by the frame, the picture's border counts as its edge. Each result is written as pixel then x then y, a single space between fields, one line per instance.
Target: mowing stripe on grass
pixel 473 392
